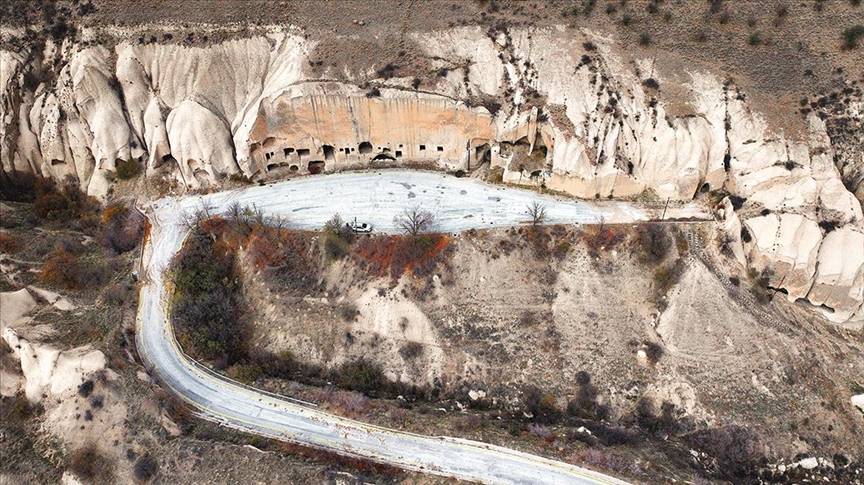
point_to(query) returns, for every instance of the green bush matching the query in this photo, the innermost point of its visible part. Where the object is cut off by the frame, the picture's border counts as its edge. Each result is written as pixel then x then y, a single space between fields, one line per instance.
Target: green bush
pixel 207 309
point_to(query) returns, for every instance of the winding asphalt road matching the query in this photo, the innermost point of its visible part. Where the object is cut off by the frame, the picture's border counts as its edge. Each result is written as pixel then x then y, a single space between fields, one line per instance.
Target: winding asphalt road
pixel 373 197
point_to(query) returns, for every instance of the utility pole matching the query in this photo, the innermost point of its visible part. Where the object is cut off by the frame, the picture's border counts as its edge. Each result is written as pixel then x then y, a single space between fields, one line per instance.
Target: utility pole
pixel 664 209
pixel 468 148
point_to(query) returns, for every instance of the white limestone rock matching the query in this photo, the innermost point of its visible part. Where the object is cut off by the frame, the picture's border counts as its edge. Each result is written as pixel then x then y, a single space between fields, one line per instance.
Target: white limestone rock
pixel 839 281
pixel 787 244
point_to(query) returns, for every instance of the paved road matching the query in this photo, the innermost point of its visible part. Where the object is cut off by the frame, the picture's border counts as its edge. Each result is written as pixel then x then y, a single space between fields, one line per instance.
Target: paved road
pixel 373 197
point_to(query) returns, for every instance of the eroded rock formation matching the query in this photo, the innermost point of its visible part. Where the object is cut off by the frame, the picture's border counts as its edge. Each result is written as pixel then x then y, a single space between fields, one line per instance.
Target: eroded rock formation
pixel 582 121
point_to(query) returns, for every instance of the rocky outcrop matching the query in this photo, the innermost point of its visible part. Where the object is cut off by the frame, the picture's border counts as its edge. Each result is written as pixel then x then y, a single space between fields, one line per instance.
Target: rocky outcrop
pixel 46 370
pixel 535 103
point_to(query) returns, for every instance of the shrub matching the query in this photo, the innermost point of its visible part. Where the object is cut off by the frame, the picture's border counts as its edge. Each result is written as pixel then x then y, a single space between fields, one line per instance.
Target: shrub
pixel 653 351
pixel 411 350
pixel 665 277
pixel 245 372
pixel 602 238
pixel 851 37
pixel 146 468
pixel 85 388
pixel 127 169
pixel 282 365
pixel 10 243
pixel 653 243
pixel 350 312
pixel 736 451
pixel 122 229
pixel 337 238
pixel 67 204
pixel 91 467
pixel 383 254
pixel 584 405
pixel 360 375
pixel 542 406
pixel 737 201
pixel 645 39
pixel 207 309
pixel 66 270
pixel 651 83
pixel 287 255
pixel 664 423
pixel 754 39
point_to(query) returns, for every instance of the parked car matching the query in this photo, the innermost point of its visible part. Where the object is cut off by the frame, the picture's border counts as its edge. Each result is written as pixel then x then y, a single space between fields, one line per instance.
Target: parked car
pixel 359 226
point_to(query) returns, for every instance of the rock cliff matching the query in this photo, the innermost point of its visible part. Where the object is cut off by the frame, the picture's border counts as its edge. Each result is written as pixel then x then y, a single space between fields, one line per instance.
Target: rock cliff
pixel 556 107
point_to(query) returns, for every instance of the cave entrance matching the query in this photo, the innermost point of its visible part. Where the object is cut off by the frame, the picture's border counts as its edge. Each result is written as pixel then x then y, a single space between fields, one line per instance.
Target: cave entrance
pixel 383 156
pixel 329 154
pixel 482 154
pixel 316 167
pixel 365 147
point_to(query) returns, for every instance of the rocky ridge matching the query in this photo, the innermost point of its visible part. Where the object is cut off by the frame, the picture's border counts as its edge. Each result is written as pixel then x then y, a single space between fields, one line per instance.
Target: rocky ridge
pixel 552 107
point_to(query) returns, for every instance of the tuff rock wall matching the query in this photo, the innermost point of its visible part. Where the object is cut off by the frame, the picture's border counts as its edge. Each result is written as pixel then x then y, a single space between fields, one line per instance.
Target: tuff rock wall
pixel 534 102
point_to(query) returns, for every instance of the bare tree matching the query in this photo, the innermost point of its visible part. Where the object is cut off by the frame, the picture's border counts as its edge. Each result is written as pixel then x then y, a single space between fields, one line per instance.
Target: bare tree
pixel 537 211
pixel 194 219
pixel 336 226
pixel 414 221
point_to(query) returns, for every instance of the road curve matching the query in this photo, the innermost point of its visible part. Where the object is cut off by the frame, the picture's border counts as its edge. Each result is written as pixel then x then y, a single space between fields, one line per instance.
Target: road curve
pixel 374 197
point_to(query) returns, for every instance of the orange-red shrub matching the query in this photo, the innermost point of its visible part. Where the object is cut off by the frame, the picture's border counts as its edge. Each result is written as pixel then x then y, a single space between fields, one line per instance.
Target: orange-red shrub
pixel 382 254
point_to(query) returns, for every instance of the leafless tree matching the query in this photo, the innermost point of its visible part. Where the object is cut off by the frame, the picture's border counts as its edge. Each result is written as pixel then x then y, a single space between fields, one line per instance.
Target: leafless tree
pixel 194 219
pixel 336 226
pixel 414 221
pixel 537 211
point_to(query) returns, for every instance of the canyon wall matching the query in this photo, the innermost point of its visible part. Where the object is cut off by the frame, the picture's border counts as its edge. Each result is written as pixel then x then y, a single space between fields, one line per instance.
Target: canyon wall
pixel 554 107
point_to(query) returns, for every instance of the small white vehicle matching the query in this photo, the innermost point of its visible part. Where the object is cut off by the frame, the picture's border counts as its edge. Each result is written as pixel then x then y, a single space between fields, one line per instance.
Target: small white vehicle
pixel 359 227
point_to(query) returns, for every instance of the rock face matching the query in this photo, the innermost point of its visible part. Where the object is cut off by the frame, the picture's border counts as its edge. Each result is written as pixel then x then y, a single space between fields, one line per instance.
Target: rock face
pixel 46 370
pixel 585 122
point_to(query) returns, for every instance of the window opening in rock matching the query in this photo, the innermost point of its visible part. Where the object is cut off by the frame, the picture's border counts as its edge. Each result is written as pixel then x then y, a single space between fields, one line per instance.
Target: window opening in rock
pixel 440 149
pixel 303 152
pixel 328 153
pixel 398 153
pixel 365 147
pixel 422 148
pixel 286 151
